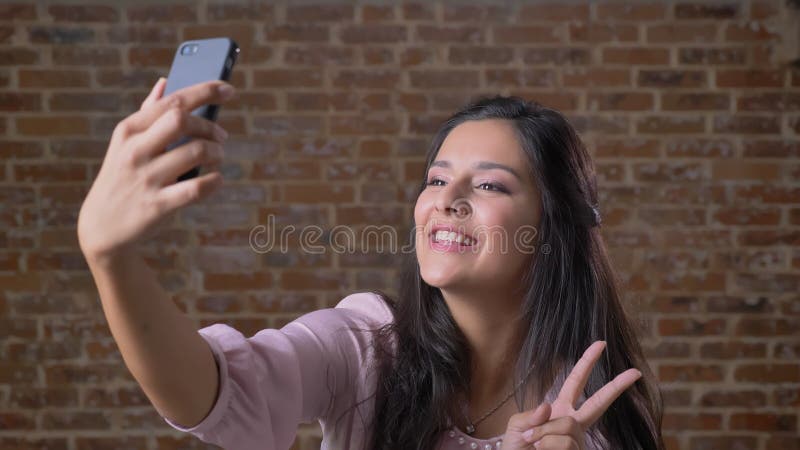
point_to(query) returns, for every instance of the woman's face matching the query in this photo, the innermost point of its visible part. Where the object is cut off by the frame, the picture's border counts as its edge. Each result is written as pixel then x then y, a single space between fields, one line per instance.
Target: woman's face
pixel 478 185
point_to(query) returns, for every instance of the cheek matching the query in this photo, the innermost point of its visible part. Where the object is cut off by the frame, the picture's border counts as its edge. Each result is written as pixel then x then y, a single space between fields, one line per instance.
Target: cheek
pixel 496 216
pixel 501 225
pixel 421 210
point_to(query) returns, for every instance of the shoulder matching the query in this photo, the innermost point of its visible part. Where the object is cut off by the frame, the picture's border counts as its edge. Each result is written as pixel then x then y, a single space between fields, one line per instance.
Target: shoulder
pixel 356 311
pixel 354 314
pixel 369 306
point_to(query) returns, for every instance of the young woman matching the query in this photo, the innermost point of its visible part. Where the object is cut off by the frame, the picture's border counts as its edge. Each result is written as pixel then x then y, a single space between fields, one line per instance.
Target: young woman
pixel 508 293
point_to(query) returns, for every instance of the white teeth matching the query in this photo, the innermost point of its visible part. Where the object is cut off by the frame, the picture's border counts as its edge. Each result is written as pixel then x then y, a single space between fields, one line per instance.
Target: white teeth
pixel 443 235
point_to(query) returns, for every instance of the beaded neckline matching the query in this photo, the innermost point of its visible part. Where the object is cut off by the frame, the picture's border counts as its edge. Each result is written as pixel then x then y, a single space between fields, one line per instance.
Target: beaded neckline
pixel 492 443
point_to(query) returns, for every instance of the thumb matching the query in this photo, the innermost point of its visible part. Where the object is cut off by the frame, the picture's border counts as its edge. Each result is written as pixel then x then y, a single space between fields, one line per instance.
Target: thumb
pixel 536 417
pixel 539 416
pixel 155 93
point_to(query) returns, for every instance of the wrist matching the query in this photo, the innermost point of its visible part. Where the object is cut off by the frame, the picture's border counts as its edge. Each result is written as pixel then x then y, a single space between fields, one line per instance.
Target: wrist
pixel 109 258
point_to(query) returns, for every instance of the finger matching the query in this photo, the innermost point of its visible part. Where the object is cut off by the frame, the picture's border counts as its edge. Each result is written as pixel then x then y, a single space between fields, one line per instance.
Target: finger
pixel 215 166
pixel 529 419
pixel 597 404
pixel 573 386
pixel 169 128
pixel 563 425
pixel 187 99
pixel 178 195
pixel 166 168
pixel 556 442
pixel 155 93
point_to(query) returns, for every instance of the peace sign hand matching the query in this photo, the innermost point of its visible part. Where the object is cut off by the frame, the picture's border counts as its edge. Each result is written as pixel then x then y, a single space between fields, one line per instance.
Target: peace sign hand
pixel 559 425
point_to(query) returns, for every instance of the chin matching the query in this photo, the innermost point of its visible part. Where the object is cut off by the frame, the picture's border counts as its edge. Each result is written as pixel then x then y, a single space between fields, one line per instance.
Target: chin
pixel 438 279
pixel 447 280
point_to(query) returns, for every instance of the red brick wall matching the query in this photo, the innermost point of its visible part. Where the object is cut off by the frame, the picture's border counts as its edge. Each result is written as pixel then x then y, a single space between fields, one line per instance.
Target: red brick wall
pixel 690 109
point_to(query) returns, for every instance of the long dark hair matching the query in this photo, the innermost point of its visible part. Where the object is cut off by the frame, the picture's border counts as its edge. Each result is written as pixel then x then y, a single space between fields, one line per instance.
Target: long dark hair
pixel 570 301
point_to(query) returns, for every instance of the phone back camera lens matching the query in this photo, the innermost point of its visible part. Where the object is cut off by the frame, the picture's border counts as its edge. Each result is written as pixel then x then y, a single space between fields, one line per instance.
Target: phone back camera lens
pixel 189 49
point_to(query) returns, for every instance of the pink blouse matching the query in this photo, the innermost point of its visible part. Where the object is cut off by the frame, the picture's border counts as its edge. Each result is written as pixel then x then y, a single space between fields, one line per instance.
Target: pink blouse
pixel 314 368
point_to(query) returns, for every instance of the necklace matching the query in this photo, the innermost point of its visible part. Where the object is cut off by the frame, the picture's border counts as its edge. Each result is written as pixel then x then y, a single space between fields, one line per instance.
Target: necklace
pixel 471 425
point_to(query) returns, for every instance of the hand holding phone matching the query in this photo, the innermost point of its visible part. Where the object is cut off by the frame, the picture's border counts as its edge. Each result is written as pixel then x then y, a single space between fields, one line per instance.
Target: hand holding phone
pixel 135 189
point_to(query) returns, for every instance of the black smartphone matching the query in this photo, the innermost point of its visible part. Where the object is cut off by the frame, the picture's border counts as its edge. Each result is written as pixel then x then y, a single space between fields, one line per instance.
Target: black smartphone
pixel 195 62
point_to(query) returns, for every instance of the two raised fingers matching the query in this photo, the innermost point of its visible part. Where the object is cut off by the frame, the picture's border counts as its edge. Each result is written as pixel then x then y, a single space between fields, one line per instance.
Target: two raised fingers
pixel 573 386
pixel 594 407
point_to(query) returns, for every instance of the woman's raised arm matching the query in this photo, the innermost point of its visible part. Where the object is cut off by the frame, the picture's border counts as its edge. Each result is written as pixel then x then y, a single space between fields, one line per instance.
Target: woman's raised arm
pixel 133 193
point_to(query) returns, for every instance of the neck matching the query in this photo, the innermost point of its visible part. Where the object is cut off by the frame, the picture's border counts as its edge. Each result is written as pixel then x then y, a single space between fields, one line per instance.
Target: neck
pixel 490 323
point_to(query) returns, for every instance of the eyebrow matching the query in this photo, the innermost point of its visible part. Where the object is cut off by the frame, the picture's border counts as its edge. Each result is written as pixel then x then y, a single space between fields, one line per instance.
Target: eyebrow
pixel 480 165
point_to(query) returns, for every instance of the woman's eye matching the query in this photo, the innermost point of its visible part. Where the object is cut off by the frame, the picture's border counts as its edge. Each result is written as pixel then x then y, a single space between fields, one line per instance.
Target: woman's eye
pixel 492 187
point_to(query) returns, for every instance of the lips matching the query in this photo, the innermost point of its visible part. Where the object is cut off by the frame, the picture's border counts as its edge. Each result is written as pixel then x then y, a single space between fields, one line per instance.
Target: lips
pixel 451 229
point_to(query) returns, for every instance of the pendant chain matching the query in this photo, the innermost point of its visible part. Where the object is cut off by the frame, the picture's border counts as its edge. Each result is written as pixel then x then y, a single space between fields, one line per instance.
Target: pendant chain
pixel 471 425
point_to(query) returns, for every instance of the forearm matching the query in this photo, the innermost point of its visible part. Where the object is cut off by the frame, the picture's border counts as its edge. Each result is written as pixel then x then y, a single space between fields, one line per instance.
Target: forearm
pixel 159 344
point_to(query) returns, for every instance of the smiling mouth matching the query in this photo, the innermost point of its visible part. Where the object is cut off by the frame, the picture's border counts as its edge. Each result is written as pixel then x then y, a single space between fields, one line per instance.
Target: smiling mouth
pixel 451 237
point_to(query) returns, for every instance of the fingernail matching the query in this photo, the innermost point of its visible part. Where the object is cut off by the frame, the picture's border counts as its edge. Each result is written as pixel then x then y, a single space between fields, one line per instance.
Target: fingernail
pixel 220 133
pixel 226 91
pixel 155 85
pixel 527 435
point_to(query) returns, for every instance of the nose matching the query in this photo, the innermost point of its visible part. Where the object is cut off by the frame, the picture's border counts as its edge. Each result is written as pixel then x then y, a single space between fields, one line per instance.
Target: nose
pixel 450 201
